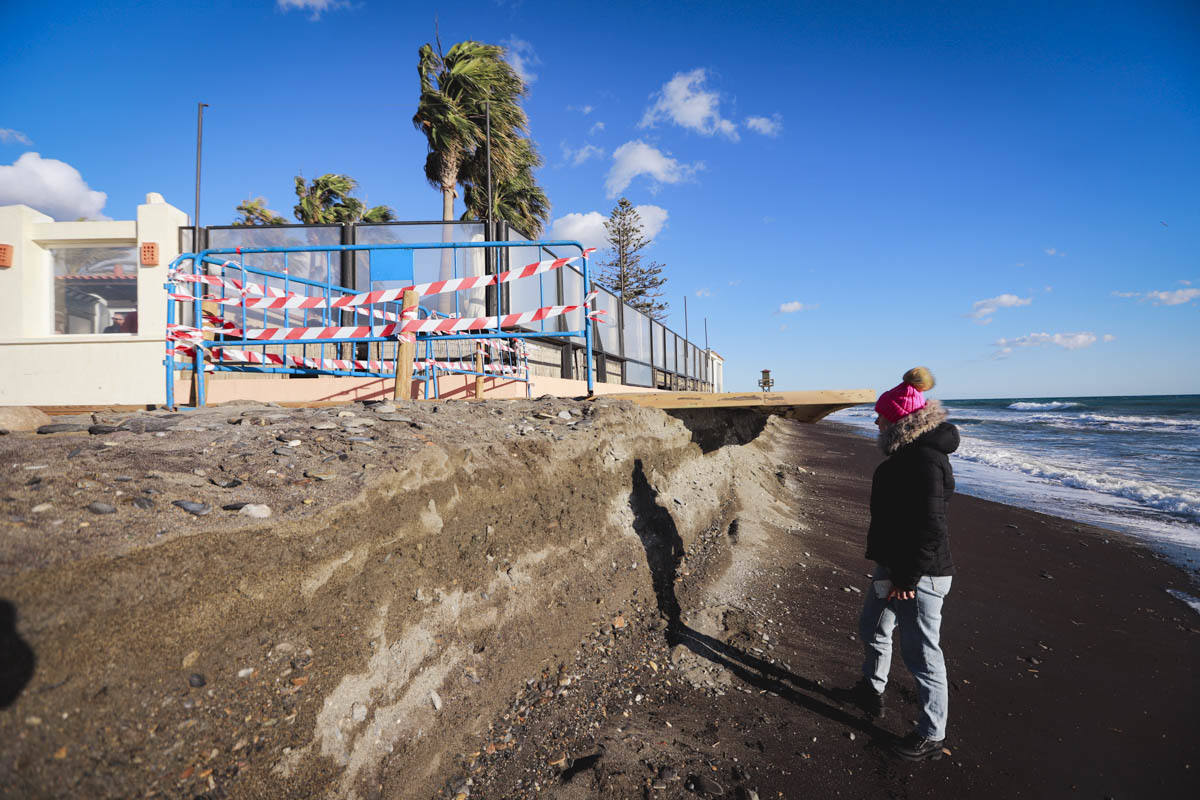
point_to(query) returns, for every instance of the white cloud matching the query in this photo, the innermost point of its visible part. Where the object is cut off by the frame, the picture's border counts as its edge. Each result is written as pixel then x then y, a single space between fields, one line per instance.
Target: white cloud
pixel 1108 337
pixel 705 292
pixel 585 110
pixel 1174 297
pixel 638 158
pixel 793 306
pixel 1068 341
pixel 768 126
pixel 521 56
pixel 588 228
pixel 317 7
pixel 51 186
pixel 983 309
pixel 685 101
pixel 582 155
pixel 597 128
pixel 1054 251
pixel 8 136
pixel 1186 283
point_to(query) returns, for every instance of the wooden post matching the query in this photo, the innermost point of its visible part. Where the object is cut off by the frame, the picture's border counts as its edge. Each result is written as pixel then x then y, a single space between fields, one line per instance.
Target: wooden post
pixel 405 354
pixel 478 368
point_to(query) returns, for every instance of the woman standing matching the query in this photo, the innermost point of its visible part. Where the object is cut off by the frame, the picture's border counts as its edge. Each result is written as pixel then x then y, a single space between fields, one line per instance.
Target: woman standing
pixel 909 540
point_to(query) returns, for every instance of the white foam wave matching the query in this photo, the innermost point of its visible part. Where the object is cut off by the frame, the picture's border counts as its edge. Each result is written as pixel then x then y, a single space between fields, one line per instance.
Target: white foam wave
pixel 1175 501
pixel 1043 406
pixel 1184 597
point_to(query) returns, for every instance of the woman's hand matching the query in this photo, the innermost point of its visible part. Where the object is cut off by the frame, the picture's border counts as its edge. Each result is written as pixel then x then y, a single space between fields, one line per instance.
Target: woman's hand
pixel 900 594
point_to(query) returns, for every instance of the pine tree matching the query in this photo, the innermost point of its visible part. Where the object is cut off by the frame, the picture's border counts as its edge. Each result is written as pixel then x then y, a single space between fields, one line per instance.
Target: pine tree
pixel 640 285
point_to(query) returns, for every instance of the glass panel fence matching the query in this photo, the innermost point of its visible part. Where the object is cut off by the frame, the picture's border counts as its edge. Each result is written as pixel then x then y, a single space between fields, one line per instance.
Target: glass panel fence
pixel 638 374
pixel 606 332
pixel 573 293
pixel 657 333
pixel 429 265
pixel 637 335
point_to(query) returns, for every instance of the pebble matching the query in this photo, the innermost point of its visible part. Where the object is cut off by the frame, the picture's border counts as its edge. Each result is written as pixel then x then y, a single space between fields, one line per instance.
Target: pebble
pixel 283 451
pixel 564 415
pixel 437 701
pixel 225 483
pixel 144 503
pixel 40 507
pixel 196 680
pixel 199 509
pixel 395 418
pixel 245 673
pixel 320 476
pixel 346 414
pixel 255 510
pixel 383 408
pixel 102 508
pixel 190 658
pixel 100 430
pixel 61 427
pixel 359 712
pixel 325 426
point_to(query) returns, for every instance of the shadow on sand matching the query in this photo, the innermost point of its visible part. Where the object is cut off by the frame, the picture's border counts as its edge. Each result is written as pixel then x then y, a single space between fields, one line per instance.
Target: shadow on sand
pixel 16 657
pixel 664 550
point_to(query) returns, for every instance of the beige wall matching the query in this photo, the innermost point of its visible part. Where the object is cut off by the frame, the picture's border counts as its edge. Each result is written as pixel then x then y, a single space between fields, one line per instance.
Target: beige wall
pixel 39 367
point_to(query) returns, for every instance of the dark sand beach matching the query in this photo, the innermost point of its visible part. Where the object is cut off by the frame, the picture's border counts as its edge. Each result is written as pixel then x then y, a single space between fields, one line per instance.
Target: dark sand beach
pixel 462 601
pixel 1072 671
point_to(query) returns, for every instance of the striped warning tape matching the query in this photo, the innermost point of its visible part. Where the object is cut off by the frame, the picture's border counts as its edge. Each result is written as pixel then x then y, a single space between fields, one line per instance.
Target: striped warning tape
pixel 277 300
pixel 447 325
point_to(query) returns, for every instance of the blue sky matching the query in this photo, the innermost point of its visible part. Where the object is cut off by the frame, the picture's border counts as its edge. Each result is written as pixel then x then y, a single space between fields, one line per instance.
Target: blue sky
pixel 1005 192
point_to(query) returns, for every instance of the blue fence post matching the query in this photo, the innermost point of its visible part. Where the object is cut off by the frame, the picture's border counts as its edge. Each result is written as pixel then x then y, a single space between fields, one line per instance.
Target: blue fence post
pixel 587 330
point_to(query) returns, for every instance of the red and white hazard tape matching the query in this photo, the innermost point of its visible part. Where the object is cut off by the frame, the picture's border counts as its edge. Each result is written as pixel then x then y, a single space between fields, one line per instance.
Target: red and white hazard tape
pixel 277 300
pixel 448 325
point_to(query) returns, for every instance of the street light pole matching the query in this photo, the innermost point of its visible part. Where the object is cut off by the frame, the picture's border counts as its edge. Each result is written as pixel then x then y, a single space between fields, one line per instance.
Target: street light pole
pixel 199 144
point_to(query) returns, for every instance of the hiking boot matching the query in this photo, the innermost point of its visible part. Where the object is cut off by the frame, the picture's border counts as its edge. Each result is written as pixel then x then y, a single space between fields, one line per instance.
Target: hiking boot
pixel 863 695
pixel 916 747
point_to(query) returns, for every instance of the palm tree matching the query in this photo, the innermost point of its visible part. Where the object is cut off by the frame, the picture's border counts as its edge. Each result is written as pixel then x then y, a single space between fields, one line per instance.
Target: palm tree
pixel 456 88
pixel 255 212
pixel 327 199
pixel 516 197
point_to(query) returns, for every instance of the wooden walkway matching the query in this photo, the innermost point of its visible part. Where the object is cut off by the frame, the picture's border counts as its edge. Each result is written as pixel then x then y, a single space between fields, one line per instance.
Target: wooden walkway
pixel 802 406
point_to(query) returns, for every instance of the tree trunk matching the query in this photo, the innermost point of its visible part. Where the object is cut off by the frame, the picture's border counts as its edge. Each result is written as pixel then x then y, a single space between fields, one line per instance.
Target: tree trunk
pixel 445 302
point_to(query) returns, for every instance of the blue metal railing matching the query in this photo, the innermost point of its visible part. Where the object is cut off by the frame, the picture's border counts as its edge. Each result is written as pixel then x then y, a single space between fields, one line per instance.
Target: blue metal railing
pixel 210 263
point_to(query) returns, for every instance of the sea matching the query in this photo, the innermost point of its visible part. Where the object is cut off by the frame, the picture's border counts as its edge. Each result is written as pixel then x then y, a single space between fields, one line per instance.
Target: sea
pixel 1129 464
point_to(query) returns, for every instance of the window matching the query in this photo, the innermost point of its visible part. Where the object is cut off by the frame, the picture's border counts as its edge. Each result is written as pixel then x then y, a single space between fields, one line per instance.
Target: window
pixel 95 289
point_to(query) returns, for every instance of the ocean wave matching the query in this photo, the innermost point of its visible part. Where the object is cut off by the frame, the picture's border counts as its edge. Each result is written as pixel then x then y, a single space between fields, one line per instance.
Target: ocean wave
pixel 1043 406
pixel 1176 502
pixel 1112 422
pixel 1184 597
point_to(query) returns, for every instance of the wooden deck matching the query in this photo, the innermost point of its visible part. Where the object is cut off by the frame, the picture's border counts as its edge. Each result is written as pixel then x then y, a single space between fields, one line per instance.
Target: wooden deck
pixel 802 406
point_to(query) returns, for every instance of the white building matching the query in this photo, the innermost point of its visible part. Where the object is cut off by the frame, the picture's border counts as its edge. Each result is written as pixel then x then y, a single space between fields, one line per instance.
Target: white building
pixel 82 306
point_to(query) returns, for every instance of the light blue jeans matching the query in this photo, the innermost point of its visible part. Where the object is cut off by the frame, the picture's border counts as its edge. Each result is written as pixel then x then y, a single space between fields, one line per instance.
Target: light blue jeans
pixel 920 622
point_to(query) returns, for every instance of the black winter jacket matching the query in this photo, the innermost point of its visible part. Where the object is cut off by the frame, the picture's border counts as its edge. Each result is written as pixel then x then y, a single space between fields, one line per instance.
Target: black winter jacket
pixel 910 494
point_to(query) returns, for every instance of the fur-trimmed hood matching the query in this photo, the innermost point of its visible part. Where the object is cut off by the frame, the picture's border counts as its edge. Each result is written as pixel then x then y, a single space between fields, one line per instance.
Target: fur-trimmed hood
pixel 915 425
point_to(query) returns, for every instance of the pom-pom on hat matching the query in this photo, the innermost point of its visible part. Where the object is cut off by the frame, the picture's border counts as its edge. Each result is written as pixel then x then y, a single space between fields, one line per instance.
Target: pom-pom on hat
pixel 900 401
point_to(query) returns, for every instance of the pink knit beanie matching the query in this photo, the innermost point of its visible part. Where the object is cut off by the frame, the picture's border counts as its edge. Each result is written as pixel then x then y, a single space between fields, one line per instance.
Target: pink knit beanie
pixel 902 400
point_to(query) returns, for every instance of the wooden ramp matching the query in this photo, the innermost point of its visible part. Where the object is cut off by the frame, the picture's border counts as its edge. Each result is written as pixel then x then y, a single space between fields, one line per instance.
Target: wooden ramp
pixel 802 406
